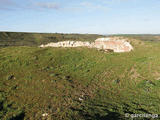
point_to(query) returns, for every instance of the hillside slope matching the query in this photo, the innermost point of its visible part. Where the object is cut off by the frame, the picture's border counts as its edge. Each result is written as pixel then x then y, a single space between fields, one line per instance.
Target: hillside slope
pixel 35 39
pixel 78 83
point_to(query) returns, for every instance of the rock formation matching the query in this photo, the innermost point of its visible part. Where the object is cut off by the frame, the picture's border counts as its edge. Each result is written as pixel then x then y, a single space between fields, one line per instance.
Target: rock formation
pixel 67 44
pixel 115 44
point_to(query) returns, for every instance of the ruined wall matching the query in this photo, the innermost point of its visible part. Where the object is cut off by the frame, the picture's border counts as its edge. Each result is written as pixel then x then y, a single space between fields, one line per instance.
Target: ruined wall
pixel 67 44
pixel 115 44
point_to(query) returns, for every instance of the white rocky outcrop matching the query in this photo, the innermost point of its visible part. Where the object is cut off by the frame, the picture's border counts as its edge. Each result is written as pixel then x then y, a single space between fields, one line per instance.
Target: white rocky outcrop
pixel 67 44
pixel 116 44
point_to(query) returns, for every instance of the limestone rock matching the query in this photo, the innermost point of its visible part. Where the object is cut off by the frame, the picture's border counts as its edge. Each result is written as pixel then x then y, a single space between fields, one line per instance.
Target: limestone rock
pixel 116 44
pixel 113 43
pixel 67 44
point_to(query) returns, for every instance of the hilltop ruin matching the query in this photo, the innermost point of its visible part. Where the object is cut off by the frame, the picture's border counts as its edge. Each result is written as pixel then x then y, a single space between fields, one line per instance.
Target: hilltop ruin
pixel 115 44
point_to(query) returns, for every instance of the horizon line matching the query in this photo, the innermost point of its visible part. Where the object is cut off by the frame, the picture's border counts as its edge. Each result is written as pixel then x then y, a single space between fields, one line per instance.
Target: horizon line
pixel 81 33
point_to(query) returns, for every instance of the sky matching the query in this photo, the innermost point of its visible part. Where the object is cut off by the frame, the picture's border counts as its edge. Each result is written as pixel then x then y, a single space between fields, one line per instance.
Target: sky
pixel 81 16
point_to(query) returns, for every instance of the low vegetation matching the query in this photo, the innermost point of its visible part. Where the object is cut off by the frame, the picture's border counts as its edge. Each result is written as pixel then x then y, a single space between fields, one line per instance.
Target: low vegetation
pixel 36 39
pixel 79 83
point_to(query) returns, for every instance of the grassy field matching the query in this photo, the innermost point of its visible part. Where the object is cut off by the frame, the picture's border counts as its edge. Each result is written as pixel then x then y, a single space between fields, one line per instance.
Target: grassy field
pixel 36 39
pixel 79 83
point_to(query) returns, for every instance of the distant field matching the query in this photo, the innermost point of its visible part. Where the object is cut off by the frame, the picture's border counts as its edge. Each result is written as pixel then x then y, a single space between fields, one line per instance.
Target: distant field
pixel 147 37
pixel 79 83
pixel 35 39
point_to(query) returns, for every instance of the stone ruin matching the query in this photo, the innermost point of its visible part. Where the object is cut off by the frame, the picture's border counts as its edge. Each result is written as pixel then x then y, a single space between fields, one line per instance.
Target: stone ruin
pixel 115 44
pixel 67 44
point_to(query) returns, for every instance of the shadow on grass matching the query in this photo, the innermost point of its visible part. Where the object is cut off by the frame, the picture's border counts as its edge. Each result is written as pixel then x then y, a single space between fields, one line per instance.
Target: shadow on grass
pixel 19 117
pixel 110 116
pixel 97 116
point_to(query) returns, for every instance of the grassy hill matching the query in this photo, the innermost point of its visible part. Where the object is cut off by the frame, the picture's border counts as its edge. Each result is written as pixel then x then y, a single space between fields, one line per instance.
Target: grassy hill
pixel 35 39
pixel 79 83
pixel 143 37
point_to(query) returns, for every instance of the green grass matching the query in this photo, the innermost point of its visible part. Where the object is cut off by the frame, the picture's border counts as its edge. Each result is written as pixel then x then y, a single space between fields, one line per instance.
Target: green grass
pixel 79 83
pixel 36 39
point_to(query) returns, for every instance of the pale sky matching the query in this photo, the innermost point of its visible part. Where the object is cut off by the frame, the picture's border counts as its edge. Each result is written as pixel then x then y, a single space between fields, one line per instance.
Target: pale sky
pixel 81 16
